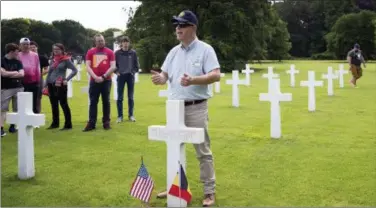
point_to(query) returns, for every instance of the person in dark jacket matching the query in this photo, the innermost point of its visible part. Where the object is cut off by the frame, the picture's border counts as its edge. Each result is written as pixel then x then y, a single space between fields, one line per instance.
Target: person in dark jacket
pixel 126 67
pixel 355 59
pixel 57 85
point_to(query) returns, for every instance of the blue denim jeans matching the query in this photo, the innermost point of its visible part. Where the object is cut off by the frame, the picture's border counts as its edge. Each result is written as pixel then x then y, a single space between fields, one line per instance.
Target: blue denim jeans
pixel 121 80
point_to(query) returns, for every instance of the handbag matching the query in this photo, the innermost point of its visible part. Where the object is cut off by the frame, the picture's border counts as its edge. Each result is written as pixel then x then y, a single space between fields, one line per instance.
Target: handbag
pixel 45 91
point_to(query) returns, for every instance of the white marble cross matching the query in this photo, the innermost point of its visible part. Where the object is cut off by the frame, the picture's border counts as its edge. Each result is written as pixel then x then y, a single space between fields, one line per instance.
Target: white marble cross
pixel 311 84
pixel 270 75
pixel 292 73
pixel 235 81
pixel 114 84
pixel 164 93
pixel 78 76
pixel 330 76
pixel 274 97
pixel 26 120
pixel 70 85
pixel 217 85
pixel 247 73
pixel 340 74
pixel 86 89
pixel 136 79
pixel 175 134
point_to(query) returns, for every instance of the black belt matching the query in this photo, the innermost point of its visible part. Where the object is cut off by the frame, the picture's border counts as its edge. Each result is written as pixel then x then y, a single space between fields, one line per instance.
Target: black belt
pixel 187 103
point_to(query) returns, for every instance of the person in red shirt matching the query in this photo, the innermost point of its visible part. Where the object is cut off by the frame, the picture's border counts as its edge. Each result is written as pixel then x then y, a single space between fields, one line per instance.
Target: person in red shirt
pixel 100 64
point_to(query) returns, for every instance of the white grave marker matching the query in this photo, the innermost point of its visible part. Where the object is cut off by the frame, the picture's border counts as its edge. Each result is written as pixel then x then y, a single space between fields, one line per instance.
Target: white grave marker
pixel 247 73
pixel 25 120
pixel 270 75
pixel 136 79
pixel 292 73
pixel 311 84
pixel 210 88
pixel 86 89
pixel 235 90
pixel 116 45
pixel 78 76
pixel 175 134
pixel 165 93
pixel 340 74
pixel 70 85
pixel 274 97
pixel 217 85
pixel 114 84
pixel 330 76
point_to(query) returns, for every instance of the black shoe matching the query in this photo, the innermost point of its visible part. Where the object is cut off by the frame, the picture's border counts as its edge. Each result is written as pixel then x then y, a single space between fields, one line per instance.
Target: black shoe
pixel 107 126
pixel 12 128
pixel 53 126
pixel 66 128
pixel 3 132
pixel 89 127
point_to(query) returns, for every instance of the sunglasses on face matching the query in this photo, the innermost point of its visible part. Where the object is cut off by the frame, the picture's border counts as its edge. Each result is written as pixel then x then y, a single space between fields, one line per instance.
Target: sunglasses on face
pixel 182 25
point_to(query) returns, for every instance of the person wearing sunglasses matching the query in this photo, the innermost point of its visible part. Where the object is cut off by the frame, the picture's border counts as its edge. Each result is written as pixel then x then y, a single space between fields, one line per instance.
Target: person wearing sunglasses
pixel 190 67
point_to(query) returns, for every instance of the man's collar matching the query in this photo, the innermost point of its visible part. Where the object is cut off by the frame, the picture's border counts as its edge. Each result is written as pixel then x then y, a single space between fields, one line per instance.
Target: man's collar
pixel 190 46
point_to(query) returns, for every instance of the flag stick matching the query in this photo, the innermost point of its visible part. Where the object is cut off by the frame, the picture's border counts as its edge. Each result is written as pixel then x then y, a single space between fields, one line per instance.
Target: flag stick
pixel 179 175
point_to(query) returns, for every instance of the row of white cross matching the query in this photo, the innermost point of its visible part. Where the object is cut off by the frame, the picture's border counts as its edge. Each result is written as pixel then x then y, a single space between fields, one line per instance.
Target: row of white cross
pixel 175 133
pixel 235 81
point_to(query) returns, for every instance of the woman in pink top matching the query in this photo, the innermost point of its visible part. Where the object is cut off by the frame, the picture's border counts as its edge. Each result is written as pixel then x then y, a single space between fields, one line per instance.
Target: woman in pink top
pixel 31 66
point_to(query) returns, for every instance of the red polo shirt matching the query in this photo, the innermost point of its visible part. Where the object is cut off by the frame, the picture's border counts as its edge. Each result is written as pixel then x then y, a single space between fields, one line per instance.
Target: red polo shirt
pixel 100 60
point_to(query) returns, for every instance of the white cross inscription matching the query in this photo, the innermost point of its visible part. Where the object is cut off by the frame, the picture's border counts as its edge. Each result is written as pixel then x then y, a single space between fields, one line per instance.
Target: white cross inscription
pixel 274 97
pixel 26 120
pixel 292 73
pixel 136 78
pixel 235 81
pixel 114 84
pixel 330 76
pixel 247 73
pixel 164 93
pixel 217 85
pixel 311 84
pixel 270 75
pixel 175 134
pixel 340 74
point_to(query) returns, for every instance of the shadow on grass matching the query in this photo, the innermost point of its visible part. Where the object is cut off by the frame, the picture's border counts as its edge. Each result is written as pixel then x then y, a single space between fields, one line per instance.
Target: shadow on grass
pixel 14 179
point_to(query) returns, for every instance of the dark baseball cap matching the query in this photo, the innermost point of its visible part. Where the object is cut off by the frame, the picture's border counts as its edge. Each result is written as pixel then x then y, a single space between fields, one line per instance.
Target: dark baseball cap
pixel 357 46
pixel 187 17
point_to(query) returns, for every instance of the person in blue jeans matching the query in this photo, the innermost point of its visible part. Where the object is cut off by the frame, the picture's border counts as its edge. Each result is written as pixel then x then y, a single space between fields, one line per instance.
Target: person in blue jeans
pixel 126 67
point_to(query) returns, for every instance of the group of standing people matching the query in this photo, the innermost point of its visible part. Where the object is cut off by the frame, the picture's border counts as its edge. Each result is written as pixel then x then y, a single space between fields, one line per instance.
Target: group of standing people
pixel 22 70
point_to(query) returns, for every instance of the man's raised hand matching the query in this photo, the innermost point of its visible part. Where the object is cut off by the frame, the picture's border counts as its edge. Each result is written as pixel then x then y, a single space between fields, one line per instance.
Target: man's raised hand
pixel 156 77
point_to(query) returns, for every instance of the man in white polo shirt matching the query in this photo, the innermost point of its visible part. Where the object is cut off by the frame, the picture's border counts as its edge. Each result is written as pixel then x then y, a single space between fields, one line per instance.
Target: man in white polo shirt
pixel 190 68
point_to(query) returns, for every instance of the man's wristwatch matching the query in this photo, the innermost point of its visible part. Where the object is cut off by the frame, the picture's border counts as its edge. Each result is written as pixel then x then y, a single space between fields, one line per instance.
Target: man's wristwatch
pixel 103 76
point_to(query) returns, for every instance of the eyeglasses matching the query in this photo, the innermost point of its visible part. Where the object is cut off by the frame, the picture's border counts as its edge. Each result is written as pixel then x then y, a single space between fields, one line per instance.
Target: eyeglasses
pixel 182 25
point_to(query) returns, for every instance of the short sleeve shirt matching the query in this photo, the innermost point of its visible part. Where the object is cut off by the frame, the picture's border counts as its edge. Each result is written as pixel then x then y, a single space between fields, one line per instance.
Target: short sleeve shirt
pixel 100 60
pixel 11 65
pixel 197 59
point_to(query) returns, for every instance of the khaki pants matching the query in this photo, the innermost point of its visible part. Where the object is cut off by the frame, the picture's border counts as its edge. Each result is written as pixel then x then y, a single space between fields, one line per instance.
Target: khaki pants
pixel 197 116
pixel 356 71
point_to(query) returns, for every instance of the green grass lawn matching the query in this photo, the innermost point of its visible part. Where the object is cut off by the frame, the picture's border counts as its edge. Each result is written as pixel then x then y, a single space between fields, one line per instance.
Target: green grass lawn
pixel 325 158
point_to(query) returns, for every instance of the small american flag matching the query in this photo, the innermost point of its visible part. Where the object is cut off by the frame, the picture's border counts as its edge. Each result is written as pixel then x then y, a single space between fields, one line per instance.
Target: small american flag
pixel 143 185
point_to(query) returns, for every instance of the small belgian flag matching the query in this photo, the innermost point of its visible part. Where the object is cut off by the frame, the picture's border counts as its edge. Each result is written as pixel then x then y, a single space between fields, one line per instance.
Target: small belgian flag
pixel 181 189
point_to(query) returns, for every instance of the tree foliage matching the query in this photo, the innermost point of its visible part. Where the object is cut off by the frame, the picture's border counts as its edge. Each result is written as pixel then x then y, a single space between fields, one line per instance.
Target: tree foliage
pixel 238 30
pixel 76 38
pixel 350 29
pixel 310 21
